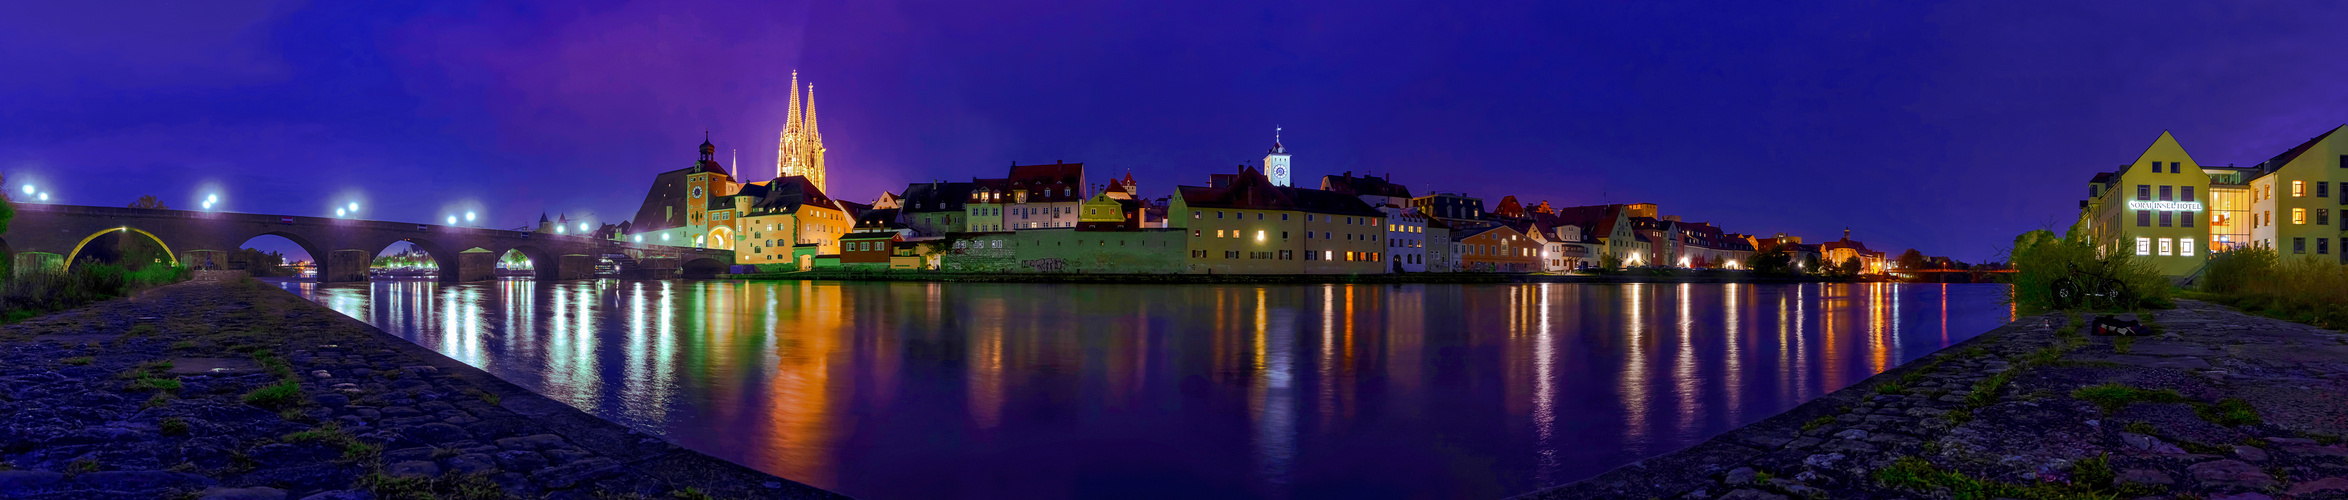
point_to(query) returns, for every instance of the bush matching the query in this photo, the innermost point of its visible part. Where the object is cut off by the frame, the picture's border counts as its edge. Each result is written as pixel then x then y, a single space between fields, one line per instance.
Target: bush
pixel 276 396
pixel 40 292
pixel 2042 261
pixel 2308 289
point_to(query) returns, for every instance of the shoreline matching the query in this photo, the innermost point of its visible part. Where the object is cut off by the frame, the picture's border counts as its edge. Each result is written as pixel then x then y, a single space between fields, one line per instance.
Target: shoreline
pixel 2219 404
pixel 1302 279
pixel 154 395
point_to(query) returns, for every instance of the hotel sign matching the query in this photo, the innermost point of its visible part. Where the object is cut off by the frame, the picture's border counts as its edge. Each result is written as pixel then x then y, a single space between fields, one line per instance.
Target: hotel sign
pixel 2174 206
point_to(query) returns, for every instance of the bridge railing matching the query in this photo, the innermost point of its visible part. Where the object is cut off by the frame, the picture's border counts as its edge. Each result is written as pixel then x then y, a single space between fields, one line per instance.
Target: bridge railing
pixel 155 213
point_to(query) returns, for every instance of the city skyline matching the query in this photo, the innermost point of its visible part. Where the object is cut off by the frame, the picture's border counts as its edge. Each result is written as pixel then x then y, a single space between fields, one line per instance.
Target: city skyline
pixel 1941 128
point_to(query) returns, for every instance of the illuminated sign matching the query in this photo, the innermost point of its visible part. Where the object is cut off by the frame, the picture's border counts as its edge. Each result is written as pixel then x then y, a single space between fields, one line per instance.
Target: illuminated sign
pixel 2184 206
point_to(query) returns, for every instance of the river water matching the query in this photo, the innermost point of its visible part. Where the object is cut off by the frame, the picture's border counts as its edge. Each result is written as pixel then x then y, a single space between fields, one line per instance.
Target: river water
pixel 929 390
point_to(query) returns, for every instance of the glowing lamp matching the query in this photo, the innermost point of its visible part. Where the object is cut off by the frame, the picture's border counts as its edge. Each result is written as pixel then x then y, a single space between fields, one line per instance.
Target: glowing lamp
pixel 452 220
pixel 28 189
pixel 468 216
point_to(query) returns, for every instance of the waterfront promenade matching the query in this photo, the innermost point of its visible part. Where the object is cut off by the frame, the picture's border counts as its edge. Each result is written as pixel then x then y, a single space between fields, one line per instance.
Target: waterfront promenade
pixel 238 390
pixel 2217 405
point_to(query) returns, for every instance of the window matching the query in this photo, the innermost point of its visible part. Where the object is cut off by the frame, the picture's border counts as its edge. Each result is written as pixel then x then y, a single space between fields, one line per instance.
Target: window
pixel 2173 166
pixel 2323 216
pixel 2185 247
pixel 2143 218
pixel 2298 189
pixel 2164 193
pixel 2323 189
pixel 2143 192
pixel 2165 249
pixel 2298 216
pixel 2323 246
pixel 2188 195
pixel 1218 214
pixel 2186 219
pixel 2144 246
pixel 2164 217
pixel 2299 245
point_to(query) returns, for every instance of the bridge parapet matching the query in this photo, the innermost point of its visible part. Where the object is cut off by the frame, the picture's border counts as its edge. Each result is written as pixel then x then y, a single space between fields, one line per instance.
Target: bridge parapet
pixel 344 248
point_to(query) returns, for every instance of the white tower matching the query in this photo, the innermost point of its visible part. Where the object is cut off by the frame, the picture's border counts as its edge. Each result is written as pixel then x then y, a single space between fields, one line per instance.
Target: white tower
pixel 1276 163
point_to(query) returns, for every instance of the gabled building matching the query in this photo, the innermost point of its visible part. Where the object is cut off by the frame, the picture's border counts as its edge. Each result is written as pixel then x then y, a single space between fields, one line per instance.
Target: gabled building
pixel 1243 224
pixel 1609 226
pixel 1456 210
pixel 2152 207
pixel 1043 196
pixel 936 208
pixel 1497 248
pixel 787 221
pixel 676 209
pixel 2297 199
pixel 1834 253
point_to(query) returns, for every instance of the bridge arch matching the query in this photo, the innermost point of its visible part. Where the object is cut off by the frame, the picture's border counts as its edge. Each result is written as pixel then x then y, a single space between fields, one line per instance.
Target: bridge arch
pixel 74 256
pixel 544 265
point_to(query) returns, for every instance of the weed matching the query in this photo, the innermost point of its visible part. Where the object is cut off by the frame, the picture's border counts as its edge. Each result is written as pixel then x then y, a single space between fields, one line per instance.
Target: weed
pixel 1891 388
pixel 1815 423
pixel 696 494
pixel 484 396
pixel 449 486
pixel 159 400
pixel 81 466
pixel 155 384
pixel 141 330
pixel 1960 416
pixel 2324 439
pixel 1915 474
pixel 80 361
pixel 1975 352
pixel 2230 412
pixel 275 396
pixel 2112 397
pixel 1985 391
pixel 2096 473
pixel 2140 427
pixel 174 426
pixel 183 345
pixel 2123 344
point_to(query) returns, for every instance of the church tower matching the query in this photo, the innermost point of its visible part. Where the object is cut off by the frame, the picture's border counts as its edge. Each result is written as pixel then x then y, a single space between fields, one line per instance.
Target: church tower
pixel 800 151
pixel 1276 163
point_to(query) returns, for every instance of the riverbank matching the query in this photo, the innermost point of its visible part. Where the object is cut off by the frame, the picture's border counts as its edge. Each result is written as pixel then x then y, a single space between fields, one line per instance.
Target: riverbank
pixel 240 390
pixel 1632 276
pixel 2219 404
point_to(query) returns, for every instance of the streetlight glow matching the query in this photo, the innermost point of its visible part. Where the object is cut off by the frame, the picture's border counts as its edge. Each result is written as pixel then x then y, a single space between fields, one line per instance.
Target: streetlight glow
pixel 468 216
pixel 44 196
pixel 558 230
pixel 452 220
pixel 338 212
pixel 582 227
pixel 354 207
pixel 28 189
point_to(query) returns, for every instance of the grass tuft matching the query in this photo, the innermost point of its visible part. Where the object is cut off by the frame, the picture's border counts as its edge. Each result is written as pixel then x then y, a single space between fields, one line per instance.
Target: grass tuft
pixel 174 426
pixel 280 395
pixel 2112 396
pixel 2230 412
pixel 80 361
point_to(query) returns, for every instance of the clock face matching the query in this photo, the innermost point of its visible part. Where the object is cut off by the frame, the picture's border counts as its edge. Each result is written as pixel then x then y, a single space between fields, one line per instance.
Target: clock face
pixel 696 191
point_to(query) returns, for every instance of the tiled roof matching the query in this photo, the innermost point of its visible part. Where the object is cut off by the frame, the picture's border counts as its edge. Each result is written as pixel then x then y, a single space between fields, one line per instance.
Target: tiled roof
pixel 1363 186
pixel 936 196
pixel 1055 182
pixel 1250 190
pixel 2277 163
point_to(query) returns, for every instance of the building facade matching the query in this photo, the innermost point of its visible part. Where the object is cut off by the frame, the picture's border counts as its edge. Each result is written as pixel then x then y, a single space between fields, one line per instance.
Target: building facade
pixel 1249 226
pixel 676 208
pixel 2298 199
pixel 1497 249
pixel 2151 207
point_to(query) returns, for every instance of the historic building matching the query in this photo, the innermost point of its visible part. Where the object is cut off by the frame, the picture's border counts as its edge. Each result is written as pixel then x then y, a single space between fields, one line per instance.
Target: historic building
pixel 800 152
pixel 1406 227
pixel 1243 224
pixel 1041 196
pixel 1835 253
pixel 1497 248
pixel 936 208
pixel 1457 210
pixel 2151 207
pixel 1276 162
pixel 1607 232
pixel 787 221
pixel 676 209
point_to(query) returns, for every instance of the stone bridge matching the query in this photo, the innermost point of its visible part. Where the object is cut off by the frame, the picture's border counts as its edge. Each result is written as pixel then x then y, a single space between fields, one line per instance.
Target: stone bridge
pixel 51 236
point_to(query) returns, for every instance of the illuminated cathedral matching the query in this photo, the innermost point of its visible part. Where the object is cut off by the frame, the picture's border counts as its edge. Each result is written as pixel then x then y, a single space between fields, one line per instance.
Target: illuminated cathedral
pixel 801 150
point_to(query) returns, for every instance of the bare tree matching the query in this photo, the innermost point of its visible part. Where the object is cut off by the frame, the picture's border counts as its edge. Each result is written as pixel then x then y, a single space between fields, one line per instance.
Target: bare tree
pixel 149 202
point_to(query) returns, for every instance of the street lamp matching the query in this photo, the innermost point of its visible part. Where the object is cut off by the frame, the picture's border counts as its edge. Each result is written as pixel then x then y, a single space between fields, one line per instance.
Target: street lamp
pixel 468 216
pixel 452 220
pixel 338 212
pixel 28 190
pixel 582 227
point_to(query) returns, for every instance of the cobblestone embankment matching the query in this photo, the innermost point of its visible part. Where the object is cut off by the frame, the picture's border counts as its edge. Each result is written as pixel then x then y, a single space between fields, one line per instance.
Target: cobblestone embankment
pixel 239 390
pixel 2217 405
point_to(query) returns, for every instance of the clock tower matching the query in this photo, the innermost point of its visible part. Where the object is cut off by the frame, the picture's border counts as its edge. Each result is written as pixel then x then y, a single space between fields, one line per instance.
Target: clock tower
pixel 1276 163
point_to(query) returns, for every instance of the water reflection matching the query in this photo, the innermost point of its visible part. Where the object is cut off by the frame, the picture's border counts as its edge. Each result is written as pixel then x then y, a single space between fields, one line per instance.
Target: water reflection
pixel 897 390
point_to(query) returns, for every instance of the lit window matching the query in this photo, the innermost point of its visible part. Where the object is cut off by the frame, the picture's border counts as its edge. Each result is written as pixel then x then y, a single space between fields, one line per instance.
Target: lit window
pixel 2144 246
pixel 2298 188
pixel 2166 248
pixel 2185 247
pixel 2298 216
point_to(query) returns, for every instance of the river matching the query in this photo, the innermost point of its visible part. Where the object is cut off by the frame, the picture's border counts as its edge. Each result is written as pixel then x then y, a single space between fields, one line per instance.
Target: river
pixel 927 390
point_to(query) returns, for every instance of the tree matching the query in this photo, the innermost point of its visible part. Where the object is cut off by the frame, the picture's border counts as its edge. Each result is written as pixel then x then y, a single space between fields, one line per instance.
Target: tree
pixel 149 202
pixel 1850 266
pixel 1609 262
pixel 1911 260
pixel 1810 264
pixel 258 263
pixel 1773 261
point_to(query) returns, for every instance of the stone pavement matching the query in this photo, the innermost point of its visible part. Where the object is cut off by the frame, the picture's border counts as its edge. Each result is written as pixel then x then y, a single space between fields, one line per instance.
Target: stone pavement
pixel 2216 405
pixel 243 391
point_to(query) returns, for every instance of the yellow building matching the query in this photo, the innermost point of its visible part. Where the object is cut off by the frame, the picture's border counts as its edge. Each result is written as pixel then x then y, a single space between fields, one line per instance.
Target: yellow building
pixel 2154 208
pixel 772 218
pixel 1247 225
pixel 2296 199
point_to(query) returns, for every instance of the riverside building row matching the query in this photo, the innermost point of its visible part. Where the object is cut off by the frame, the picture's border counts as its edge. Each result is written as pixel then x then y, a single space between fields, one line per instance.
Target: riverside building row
pixel 2176 212
pixel 1050 218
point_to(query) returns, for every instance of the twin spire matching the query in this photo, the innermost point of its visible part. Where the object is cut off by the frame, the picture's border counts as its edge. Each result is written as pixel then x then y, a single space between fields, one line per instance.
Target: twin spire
pixel 800 151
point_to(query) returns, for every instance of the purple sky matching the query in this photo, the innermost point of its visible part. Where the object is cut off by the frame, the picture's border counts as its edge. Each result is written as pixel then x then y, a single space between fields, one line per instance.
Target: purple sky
pixel 1943 127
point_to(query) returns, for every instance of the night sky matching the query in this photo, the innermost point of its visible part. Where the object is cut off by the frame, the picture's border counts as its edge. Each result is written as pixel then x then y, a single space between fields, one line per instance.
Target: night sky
pixel 1945 127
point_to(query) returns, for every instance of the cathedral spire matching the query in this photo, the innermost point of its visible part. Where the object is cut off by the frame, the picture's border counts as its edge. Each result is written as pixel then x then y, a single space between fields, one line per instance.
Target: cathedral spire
pixel 786 148
pixel 814 135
